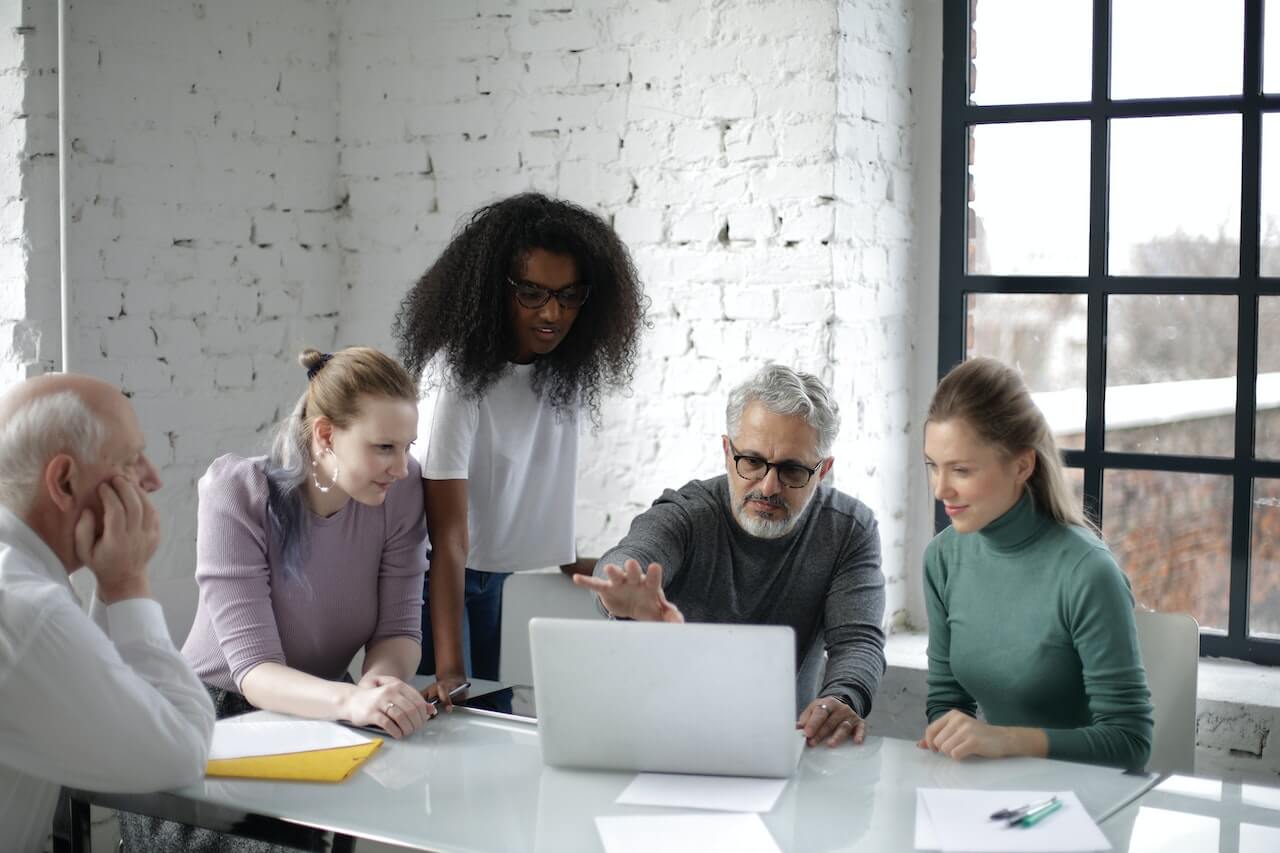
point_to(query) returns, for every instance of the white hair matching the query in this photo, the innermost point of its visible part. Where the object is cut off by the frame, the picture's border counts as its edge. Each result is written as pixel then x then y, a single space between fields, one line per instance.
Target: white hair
pixel 784 391
pixel 57 423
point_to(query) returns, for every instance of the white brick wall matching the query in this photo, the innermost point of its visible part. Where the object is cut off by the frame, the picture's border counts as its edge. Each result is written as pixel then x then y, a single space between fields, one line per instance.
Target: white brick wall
pixel 247 178
pixel 709 136
pixel 204 202
pixel 28 190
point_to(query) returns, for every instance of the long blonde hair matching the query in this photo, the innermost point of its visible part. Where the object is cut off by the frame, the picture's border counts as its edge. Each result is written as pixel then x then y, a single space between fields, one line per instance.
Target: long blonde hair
pixel 993 401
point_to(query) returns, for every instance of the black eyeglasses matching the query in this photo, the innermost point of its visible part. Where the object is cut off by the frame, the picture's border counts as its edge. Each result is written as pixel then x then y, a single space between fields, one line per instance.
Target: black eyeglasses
pixel 793 475
pixel 532 295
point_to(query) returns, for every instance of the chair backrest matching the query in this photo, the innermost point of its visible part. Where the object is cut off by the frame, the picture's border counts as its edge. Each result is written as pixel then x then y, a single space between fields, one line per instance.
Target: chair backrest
pixel 529 594
pixel 1170 644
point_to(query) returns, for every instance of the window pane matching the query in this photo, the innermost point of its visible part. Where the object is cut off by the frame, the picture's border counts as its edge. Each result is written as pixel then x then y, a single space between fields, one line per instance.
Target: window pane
pixel 1043 335
pixel 1075 479
pixel 1175 196
pixel 1269 259
pixel 1171 533
pixel 1259 838
pixel 1267 440
pixel 1271 47
pixel 1025 53
pixel 1176 48
pixel 1029 199
pixel 1171 365
pixel 1264 584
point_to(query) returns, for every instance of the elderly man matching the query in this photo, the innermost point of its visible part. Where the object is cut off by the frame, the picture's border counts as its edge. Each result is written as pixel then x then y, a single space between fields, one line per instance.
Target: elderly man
pixel 767 543
pixel 105 703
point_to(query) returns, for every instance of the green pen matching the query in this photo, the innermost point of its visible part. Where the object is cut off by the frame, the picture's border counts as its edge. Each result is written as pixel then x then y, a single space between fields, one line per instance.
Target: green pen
pixel 1029 820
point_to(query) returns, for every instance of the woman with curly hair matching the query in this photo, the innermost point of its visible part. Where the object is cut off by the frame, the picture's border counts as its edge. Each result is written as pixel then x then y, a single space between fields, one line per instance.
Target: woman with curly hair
pixel 529 315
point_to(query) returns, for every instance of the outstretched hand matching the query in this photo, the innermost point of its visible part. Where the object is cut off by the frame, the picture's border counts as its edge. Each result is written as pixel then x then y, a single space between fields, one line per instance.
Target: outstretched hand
pixel 630 593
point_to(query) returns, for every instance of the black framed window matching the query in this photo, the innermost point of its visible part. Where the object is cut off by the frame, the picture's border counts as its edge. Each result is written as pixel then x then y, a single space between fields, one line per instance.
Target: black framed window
pixel 1111 226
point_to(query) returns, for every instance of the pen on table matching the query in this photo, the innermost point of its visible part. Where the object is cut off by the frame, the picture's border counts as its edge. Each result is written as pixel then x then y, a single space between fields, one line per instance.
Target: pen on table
pixel 1021 811
pixel 461 688
pixel 1030 819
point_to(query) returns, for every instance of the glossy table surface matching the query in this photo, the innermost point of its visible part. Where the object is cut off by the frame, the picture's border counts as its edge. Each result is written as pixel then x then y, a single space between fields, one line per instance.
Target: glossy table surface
pixel 1185 814
pixel 471 783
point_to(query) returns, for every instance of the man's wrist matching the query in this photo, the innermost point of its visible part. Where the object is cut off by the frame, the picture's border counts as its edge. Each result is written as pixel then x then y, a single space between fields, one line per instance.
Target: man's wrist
pixel 133 586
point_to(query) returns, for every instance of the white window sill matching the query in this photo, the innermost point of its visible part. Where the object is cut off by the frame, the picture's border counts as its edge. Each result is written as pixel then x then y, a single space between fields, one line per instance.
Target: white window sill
pixel 1220 680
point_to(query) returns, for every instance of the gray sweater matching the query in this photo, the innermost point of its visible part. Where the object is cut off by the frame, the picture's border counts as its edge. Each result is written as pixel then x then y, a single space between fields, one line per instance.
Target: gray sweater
pixel 822 576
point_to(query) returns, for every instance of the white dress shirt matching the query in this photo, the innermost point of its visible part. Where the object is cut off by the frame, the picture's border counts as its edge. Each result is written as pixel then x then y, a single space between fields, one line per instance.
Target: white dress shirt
pixel 101 702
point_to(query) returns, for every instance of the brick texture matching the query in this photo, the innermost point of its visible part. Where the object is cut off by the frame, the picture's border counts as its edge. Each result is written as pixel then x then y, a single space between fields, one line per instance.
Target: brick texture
pixel 247 178
pixel 711 137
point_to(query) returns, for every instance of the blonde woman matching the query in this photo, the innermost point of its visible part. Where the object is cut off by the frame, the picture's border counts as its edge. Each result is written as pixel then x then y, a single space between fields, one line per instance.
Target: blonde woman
pixel 305 556
pixel 1030 618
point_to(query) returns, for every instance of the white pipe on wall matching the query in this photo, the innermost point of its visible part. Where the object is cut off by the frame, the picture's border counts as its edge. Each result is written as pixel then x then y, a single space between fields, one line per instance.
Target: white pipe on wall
pixel 67 361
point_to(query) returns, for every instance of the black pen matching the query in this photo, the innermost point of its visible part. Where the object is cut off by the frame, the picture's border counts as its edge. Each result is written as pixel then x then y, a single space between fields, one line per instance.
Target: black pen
pixel 1021 811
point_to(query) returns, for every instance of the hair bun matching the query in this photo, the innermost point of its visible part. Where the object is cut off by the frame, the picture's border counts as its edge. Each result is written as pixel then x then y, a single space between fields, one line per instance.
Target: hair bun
pixel 313 360
pixel 310 358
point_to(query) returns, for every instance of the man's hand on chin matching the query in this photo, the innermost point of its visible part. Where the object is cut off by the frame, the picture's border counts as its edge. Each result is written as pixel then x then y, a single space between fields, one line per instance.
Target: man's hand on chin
pixel 130 535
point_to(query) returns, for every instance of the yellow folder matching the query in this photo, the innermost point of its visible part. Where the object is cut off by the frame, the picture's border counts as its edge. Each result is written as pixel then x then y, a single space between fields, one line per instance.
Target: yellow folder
pixel 319 765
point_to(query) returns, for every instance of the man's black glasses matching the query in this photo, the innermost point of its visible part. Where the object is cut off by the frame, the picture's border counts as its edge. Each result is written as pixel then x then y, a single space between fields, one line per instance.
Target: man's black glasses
pixel 532 295
pixel 793 475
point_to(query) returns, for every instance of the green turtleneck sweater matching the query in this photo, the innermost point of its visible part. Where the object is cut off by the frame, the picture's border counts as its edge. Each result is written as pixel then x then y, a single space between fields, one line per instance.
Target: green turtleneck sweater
pixel 1032 621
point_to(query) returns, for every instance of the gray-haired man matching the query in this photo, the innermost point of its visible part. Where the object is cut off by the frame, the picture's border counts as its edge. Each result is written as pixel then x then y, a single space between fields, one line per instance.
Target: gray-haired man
pixel 104 703
pixel 767 543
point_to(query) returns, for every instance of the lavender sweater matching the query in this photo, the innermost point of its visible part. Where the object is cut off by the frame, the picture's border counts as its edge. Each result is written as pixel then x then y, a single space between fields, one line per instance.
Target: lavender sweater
pixel 361 583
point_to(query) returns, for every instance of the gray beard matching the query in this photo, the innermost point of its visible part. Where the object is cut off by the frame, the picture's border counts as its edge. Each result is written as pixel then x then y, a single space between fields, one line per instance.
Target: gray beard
pixel 765 528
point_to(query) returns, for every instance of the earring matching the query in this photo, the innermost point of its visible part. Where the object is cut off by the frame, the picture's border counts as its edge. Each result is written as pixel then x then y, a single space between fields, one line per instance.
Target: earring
pixel 315 473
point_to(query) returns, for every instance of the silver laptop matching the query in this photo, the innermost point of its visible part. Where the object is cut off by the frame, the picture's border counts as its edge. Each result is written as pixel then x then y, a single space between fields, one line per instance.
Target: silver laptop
pixel 701 698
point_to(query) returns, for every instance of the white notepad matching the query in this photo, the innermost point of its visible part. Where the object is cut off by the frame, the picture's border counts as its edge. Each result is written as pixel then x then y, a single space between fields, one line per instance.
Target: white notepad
pixel 232 739
pixel 959 821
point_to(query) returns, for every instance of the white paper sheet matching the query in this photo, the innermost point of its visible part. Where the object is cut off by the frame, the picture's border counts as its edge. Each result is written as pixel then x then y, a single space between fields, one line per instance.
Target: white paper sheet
pixel 242 739
pixel 723 793
pixel 959 821
pixel 713 833
pixel 926 835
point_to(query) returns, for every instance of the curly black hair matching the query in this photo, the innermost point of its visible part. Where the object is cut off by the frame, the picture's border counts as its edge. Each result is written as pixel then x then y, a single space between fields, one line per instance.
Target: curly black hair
pixel 459 307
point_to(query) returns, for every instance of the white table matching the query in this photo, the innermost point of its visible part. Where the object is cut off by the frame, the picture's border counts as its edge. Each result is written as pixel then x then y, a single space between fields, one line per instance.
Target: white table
pixel 471 783
pixel 1185 814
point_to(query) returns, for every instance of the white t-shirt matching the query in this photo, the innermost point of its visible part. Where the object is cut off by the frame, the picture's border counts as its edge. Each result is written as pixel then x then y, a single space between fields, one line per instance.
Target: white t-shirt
pixel 519 457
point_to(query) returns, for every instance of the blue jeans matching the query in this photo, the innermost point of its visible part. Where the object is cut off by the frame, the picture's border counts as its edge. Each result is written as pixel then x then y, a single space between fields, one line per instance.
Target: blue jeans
pixel 481 625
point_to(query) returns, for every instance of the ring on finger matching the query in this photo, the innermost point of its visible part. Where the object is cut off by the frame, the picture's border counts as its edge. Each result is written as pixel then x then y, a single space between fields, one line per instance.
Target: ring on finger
pixel 824 708
pixel 391 706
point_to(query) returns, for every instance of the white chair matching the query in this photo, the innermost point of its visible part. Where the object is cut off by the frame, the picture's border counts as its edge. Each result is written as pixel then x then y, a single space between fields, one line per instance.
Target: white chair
pixel 1170 645
pixel 529 594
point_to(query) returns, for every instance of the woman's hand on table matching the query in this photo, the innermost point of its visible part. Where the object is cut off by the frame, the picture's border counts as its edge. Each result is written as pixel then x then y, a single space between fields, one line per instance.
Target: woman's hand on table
pixel 957 735
pixel 389 703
